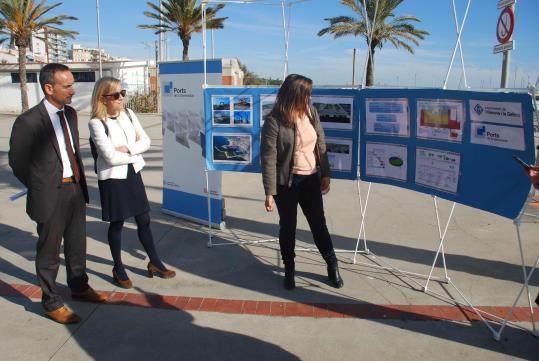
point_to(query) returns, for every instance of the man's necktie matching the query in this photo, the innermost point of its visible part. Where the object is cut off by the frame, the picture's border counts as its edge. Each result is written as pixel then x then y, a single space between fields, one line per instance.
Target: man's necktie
pixel 72 160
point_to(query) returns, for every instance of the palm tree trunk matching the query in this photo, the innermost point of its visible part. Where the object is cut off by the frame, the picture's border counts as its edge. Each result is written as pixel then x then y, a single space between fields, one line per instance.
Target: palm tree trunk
pixel 370 69
pixel 185 55
pixel 22 78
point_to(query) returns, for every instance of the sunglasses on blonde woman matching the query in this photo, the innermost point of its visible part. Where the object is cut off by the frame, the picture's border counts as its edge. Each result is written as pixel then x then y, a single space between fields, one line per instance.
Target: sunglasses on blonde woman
pixel 116 95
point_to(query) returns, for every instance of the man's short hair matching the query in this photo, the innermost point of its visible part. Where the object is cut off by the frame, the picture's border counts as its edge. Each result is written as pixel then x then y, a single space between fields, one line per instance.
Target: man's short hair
pixel 46 75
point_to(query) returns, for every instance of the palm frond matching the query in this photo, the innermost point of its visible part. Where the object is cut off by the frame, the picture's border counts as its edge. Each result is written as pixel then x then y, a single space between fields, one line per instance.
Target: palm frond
pixel 388 28
pixel 183 17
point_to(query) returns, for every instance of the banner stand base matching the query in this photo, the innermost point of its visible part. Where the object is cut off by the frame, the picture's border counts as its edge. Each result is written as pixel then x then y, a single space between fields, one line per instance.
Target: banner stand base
pixel 221 226
pixel 486 317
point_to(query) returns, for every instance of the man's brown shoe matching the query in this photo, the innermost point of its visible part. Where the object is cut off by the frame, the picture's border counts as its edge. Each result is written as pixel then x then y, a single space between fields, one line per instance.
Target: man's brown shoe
pixel 89 295
pixel 63 315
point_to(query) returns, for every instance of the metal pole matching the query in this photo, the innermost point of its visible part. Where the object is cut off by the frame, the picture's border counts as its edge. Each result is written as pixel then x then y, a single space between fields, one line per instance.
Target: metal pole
pixel 370 30
pixel 444 86
pixel 505 64
pixel 99 39
pixel 354 67
pixel 285 71
pixel 460 45
pixel 204 46
pixel 505 69
pixel 158 75
pixel 212 46
pixel 161 35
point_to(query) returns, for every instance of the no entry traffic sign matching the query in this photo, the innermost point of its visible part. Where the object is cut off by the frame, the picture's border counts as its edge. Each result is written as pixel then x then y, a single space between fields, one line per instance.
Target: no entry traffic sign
pixel 505 26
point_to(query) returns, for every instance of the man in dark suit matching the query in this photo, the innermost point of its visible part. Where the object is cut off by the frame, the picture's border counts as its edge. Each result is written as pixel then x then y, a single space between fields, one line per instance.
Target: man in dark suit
pixel 44 154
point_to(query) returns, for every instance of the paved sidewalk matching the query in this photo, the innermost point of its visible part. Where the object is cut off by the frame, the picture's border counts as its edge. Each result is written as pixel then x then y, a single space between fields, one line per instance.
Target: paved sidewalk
pixel 227 302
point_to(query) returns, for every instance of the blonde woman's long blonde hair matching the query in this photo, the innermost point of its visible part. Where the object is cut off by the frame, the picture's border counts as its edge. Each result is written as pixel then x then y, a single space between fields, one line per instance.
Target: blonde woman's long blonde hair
pixel 105 85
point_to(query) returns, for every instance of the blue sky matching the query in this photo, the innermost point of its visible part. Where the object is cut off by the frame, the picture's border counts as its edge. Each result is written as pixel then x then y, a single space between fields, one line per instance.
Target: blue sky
pixel 253 33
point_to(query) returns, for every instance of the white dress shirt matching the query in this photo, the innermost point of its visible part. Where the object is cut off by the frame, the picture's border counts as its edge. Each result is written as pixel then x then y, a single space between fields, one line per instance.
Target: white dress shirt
pixel 55 119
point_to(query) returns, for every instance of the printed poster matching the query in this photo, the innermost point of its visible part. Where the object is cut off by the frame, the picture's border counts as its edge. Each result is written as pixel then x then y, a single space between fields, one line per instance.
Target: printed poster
pixel 335 111
pixel 339 153
pixel 440 119
pixel 232 111
pixel 437 169
pixel 386 161
pixel 387 117
pixel 267 101
pixel 231 148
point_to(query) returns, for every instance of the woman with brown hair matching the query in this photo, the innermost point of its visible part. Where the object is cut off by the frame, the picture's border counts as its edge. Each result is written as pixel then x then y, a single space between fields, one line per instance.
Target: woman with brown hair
pixel 295 170
pixel 120 141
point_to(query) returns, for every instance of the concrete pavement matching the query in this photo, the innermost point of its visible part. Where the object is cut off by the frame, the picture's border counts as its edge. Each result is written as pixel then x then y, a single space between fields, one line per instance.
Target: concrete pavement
pixel 227 302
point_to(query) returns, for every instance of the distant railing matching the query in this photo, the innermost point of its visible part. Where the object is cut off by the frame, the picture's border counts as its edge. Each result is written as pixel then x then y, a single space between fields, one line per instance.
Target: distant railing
pixel 143 102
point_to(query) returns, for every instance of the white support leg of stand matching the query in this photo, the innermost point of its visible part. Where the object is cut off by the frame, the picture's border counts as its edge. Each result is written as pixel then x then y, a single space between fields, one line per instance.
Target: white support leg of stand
pixel 441 239
pixel 208 193
pixel 468 303
pixel 380 263
pixel 363 210
pixel 361 234
pixel 210 230
pixel 527 277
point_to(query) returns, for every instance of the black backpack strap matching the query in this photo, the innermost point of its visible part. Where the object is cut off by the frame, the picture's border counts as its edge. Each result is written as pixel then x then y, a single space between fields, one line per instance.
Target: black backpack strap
pixel 129 114
pixel 93 148
pixel 106 126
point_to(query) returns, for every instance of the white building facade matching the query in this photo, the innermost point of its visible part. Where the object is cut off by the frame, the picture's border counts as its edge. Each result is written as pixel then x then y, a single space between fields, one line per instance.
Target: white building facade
pixel 133 74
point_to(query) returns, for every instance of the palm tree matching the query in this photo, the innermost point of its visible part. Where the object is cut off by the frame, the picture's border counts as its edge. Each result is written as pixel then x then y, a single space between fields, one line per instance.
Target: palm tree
pixel 399 31
pixel 23 18
pixel 184 18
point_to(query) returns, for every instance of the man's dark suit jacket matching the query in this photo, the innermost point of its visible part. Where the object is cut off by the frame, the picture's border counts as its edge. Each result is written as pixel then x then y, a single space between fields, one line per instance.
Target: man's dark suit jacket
pixel 35 158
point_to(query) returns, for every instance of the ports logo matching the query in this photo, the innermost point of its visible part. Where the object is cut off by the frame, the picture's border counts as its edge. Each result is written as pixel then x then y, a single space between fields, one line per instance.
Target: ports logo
pixel 478 109
pixel 168 87
pixel 170 90
pixel 480 131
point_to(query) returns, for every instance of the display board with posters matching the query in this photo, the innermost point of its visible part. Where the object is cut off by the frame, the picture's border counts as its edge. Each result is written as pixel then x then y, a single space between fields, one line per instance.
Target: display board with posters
pixel 184 168
pixel 235 116
pixel 457 145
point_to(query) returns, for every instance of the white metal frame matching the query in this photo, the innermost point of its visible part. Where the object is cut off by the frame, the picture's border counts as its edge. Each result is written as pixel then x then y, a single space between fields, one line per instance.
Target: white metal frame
pixel 526 277
pixel 458 44
pixel 286 30
pixel 286 25
pixel 378 261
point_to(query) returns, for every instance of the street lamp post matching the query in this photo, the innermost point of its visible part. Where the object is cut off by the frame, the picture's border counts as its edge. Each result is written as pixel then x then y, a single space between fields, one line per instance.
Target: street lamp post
pixel 161 35
pixel 148 46
pixel 98 39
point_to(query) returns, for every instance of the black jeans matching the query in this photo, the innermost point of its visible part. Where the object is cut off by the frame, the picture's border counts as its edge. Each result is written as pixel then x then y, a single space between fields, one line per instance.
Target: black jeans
pixel 305 190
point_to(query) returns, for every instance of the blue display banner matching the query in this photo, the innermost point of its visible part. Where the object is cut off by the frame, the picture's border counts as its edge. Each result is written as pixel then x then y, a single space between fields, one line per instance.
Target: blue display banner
pixel 234 119
pixel 456 145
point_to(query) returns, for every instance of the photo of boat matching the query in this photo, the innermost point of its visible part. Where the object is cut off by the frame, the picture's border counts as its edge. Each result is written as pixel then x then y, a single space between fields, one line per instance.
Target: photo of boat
pixel 231 148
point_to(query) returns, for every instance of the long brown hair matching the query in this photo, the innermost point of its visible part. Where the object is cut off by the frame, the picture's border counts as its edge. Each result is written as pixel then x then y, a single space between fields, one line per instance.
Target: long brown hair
pixel 293 99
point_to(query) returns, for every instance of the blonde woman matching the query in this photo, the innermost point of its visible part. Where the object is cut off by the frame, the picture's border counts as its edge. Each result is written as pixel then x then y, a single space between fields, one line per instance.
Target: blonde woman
pixel 120 141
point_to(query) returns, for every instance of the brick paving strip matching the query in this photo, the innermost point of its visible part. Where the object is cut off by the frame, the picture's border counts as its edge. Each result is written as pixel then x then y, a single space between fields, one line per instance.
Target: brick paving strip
pixel 286 309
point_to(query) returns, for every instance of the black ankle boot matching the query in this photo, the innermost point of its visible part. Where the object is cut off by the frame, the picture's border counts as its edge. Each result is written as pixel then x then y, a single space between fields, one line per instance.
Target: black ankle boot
pixel 289 282
pixel 334 276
